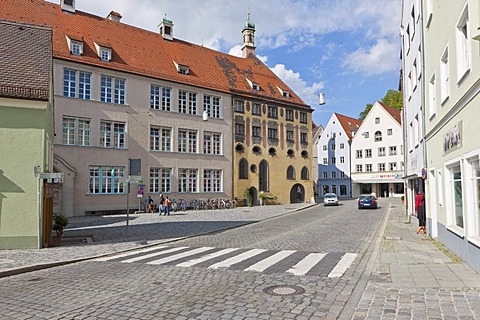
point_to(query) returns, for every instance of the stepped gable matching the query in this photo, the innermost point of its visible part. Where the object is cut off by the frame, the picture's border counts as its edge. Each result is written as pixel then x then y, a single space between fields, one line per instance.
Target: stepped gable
pixel 146 53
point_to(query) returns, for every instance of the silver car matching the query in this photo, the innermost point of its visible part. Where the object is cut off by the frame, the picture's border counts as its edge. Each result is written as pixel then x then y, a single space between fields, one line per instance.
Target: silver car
pixel 330 199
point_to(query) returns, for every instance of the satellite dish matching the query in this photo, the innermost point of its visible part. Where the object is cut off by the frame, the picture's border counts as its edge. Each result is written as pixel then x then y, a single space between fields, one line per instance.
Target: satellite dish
pixel 205 115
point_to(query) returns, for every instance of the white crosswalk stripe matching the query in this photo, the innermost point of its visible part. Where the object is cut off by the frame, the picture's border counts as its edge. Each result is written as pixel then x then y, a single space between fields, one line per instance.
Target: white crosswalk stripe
pixel 270 261
pixel 180 255
pixel 307 263
pixel 293 262
pixel 243 256
pixel 342 265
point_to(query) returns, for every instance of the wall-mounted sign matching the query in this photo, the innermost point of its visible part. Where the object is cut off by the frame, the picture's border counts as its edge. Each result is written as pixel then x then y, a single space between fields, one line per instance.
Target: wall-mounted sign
pixel 452 139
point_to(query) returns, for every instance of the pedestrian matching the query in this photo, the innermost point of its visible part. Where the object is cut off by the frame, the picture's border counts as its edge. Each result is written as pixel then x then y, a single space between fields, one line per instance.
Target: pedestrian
pixel 149 204
pixel 420 209
pixel 166 205
pixel 160 204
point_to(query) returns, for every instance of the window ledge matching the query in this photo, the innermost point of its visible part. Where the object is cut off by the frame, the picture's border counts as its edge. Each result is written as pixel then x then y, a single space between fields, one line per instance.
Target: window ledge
pixel 459 232
pixel 475 241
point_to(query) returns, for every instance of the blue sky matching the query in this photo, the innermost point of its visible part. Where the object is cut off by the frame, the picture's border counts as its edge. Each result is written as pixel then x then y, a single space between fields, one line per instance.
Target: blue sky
pixel 347 49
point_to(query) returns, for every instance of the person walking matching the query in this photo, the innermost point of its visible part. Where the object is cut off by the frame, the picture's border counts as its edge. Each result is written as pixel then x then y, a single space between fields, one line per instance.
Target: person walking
pixel 150 204
pixel 420 209
pixel 160 205
pixel 166 205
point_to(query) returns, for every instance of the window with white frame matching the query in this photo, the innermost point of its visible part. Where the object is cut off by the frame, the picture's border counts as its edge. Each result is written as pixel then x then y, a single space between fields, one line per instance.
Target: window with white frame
pixel 463 44
pixel 76 131
pixel 105 54
pixel 392 150
pixel 160 180
pixel 381 151
pixel 238 106
pixel 432 97
pixel 359 167
pixel 187 180
pixel 368 167
pixel 211 104
pixel 76 84
pixel 112 90
pixel 419 62
pixel 334 160
pixel 342 145
pixel 377 120
pixel 417 130
pixel 257 109
pixel 239 129
pixel 272 112
pixel 444 76
pixel 406 39
pixel 212 180
pixel 389 132
pixel 366 135
pixel 342 174
pixel 456 195
pixel 105 179
pixel 272 133
pixel 160 139
pixel 212 143
pixel 257 132
pixel 429 12
pixel 289 115
pixel 187 141
pixel 112 135
pixel 324 147
pixel 393 166
pixel 378 136
pixel 303 137
pixel 76 48
pixel 414 75
pixel 359 154
pixel 475 176
pixel 325 174
pixel 290 136
pixel 303 117
pixel 334 175
pixel 187 102
pixel 368 153
pixel 381 167
pixel 342 159
pixel 325 161
pixel 409 85
pixel 160 98
pixel 333 146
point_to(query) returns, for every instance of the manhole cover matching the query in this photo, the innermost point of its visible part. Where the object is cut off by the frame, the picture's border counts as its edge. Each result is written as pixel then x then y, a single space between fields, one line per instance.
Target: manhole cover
pixel 283 290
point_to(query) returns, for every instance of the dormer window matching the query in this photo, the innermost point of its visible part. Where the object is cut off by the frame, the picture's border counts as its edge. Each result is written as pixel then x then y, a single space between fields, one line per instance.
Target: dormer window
pixel 104 52
pixel 181 68
pixel 284 93
pixel 253 85
pixel 75 45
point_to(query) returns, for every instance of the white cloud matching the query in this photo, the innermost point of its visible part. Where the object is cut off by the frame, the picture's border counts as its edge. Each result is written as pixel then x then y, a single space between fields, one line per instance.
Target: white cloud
pixel 375 59
pixel 308 93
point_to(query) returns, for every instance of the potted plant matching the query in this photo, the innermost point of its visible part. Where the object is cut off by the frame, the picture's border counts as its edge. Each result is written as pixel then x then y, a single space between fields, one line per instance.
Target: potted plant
pixel 248 197
pixel 403 199
pixel 59 223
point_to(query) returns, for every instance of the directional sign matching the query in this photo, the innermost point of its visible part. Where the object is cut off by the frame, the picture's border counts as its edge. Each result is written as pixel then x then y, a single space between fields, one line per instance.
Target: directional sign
pixel 135 179
pixel 56 177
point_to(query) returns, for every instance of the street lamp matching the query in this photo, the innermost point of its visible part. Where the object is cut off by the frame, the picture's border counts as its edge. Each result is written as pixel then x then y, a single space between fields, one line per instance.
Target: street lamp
pixel 321 98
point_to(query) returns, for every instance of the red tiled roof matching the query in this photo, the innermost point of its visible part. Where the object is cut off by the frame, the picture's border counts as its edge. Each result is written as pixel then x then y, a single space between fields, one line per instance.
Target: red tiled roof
pixel 143 52
pixel 348 124
pixel 392 111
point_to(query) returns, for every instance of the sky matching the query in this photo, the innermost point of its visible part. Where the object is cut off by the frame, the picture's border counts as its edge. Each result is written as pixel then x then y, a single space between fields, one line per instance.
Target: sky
pixel 347 49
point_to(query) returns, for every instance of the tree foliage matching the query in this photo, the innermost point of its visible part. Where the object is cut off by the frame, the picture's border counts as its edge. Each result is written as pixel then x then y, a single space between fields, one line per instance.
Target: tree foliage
pixel 393 98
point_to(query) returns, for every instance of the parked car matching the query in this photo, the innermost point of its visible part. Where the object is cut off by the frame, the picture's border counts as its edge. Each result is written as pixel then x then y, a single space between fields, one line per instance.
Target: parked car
pixel 330 199
pixel 367 202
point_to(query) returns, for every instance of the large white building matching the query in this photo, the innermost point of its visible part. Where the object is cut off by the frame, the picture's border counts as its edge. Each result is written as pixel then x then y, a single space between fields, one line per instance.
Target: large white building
pixel 452 99
pixel 413 100
pixel 334 155
pixel 376 152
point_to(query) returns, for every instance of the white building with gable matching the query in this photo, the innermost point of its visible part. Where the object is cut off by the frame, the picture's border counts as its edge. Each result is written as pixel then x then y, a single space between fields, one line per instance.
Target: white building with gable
pixel 377 154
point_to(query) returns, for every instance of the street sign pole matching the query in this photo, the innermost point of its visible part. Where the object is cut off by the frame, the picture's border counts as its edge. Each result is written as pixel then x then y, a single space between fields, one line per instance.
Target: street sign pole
pixel 128 205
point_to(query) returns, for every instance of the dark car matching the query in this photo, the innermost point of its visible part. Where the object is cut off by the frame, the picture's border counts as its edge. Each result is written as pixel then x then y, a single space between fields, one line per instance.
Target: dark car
pixel 367 202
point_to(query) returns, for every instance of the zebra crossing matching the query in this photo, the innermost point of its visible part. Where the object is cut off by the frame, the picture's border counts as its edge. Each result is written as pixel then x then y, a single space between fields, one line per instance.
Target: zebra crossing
pixel 293 262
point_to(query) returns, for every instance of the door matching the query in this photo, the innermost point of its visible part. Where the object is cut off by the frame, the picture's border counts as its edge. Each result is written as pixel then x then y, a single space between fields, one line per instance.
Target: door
pixel 47 214
pixel 297 194
pixel 432 201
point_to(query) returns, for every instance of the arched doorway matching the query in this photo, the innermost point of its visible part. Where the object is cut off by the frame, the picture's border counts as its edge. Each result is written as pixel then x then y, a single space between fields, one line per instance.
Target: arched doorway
pixel 297 194
pixel 254 194
pixel 263 176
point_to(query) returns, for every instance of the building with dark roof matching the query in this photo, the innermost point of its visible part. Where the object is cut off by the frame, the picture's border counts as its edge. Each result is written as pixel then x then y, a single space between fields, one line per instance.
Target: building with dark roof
pixel 26 135
pixel 192 115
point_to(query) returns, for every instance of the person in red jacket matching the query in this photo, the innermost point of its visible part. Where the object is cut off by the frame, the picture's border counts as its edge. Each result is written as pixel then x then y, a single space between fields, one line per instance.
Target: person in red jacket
pixel 420 209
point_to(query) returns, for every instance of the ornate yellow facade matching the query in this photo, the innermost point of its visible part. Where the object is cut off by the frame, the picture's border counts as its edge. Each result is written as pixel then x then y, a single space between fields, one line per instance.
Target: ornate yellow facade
pixel 272 151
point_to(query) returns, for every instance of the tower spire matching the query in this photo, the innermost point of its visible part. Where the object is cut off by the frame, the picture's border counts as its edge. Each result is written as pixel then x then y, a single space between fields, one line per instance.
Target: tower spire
pixel 248 33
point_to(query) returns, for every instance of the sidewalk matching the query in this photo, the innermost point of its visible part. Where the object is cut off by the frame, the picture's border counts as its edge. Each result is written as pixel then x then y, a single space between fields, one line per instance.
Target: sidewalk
pixel 93 236
pixel 415 277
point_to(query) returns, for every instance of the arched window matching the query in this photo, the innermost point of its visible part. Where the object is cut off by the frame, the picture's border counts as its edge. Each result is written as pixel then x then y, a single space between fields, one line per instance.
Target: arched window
pixel 263 176
pixel 304 174
pixel 378 136
pixel 243 169
pixel 290 173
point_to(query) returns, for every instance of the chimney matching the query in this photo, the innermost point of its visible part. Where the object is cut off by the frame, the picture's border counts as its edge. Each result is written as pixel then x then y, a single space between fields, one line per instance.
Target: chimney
pixel 114 16
pixel 68 5
pixel 166 28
